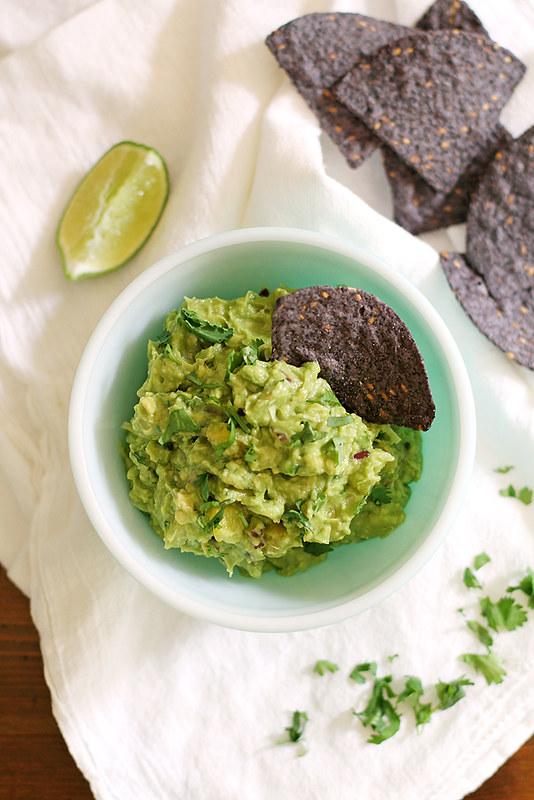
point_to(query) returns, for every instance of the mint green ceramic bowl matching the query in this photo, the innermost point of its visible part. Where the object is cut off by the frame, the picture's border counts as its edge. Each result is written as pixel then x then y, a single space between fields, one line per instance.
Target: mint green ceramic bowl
pixel 113 366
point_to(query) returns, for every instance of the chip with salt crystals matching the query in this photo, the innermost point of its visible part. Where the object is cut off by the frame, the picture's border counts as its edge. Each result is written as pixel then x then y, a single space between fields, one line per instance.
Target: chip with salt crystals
pixel 450 14
pixel 316 50
pixel 364 349
pixel 418 207
pixel 508 323
pixel 432 97
pixel 500 223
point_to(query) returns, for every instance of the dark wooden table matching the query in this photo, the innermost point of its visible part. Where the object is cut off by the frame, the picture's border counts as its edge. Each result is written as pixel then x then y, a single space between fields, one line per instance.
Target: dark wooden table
pixel 34 761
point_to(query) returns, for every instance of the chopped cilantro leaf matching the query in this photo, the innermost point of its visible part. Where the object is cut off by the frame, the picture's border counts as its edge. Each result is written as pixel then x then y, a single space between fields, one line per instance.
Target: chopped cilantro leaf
pixel 380 495
pixel 524 495
pixel 338 422
pixel 450 693
pixel 366 666
pixel 412 694
pixel 323 666
pixel 470 579
pixel 251 454
pixel 295 731
pixel 334 450
pixel 192 378
pixel 179 422
pixel 207 331
pixel 380 714
pixel 211 523
pixel 480 560
pixel 326 399
pixel 503 615
pixel 316 548
pixel 220 448
pixel 297 516
pixel 307 434
pixel 503 470
pixel 526 585
pixel 487 664
pixel 481 632
pixel 203 482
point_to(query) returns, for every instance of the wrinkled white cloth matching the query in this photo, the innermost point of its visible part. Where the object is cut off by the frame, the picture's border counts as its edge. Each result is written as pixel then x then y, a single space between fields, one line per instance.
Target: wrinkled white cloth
pixel 153 704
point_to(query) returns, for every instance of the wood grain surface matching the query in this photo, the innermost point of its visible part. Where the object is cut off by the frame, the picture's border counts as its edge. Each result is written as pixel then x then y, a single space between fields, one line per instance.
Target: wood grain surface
pixel 35 763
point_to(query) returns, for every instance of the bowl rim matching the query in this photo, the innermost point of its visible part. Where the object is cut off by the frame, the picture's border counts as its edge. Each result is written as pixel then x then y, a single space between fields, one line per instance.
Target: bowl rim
pixel 336 612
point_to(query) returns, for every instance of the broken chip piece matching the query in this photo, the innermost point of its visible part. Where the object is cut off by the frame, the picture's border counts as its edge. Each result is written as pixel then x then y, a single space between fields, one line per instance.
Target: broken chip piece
pixel 500 223
pixel 509 323
pixel 364 349
pixel 418 207
pixel 450 14
pixel 439 131
pixel 315 51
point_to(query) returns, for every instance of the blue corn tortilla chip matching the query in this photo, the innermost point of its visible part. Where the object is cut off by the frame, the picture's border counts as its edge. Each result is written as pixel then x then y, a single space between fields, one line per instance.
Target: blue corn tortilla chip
pixel 418 207
pixel 432 97
pixel 450 14
pixel 508 323
pixel 315 51
pixel 364 349
pixel 500 222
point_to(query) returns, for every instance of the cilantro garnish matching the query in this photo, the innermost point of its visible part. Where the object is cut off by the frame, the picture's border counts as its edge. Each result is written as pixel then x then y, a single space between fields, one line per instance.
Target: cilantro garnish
pixel 471 580
pixel 297 516
pixel 316 548
pixel 295 731
pixel 450 693
pixel 481 632
pixel 480 560
pixel 334 450
pixel 326 399
pixel 412 694
pixel 207 331
pixel 213 521
pixel 366 666
pixel 179 422
pixel 503 615
pixel 192 378
pixel 251 454
pixel 203 483
pixel 307 434
pixel 380 495
pixel 525 585
pixel 503 470
pixel 380 714
pixel 222 446
pixel 338 422
pixel 248 354
pixel 524 495
pixel 323 665
pixel 488 664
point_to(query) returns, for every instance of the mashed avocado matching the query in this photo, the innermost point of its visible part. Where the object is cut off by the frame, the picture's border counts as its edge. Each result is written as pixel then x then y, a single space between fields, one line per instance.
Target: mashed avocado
pixel 251 461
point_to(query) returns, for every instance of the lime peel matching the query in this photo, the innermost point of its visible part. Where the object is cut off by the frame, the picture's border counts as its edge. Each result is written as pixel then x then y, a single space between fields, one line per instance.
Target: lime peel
pixel 113 210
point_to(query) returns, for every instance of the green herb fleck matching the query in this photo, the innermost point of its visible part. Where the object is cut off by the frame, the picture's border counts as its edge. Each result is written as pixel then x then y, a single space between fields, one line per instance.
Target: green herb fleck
pixel 525 585
pixel 450 693
pixel 470 579
pixel 380 495
pixel 326 399
pixel 366 666
pixel 524 495
pixel 481 632
pixel 295 731
pixel 323 666
pixel 307 434
pixel 179 422
pixel 338 422
pixel 220 448
pixel 202 481
pixel 412 694
pixel 480 560
pixel 207 331
pixel 503 470
pixel 503 615
pixel 380 714
pixel 488 664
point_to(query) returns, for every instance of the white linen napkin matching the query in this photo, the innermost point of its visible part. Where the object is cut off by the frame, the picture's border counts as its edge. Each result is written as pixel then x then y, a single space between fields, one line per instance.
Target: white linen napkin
pixel 153 704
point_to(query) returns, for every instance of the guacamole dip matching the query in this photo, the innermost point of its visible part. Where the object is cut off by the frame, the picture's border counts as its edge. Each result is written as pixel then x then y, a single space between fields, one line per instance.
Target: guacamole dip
pixel 252 461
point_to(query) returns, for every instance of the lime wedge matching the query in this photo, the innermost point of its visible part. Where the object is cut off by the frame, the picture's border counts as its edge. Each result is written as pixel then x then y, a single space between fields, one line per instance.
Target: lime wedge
pixel 113 211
